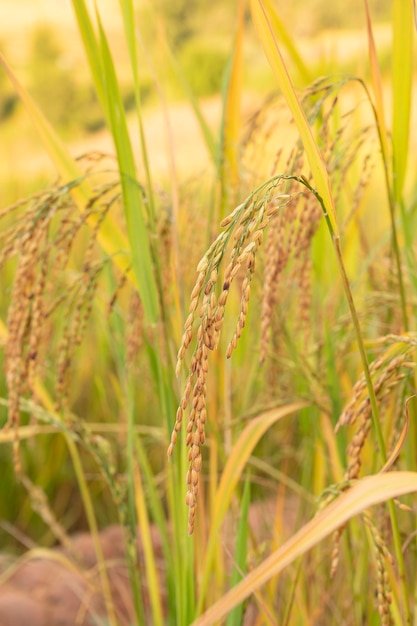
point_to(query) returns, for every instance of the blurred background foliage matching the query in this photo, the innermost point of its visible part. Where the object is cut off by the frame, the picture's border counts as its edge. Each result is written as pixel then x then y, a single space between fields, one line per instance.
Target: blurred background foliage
pixel 43 46
pixel 200 35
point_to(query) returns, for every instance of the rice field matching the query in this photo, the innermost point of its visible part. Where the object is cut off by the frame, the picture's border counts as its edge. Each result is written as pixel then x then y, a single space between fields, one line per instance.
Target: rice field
pixel 207 326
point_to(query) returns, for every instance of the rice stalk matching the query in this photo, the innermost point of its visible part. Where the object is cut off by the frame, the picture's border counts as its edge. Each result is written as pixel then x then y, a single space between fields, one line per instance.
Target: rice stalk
pixel 274 231
pixel 324 196
pixel 247 224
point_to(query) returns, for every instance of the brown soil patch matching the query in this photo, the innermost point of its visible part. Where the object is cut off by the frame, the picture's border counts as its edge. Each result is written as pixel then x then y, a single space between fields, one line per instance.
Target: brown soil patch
pixel 56 588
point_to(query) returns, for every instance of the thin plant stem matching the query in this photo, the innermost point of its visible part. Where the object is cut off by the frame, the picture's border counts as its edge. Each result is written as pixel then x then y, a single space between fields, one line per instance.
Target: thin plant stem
pixel 396 250
pixel 134 572
pixel 372 398
pixel 92 523
pixel 391 205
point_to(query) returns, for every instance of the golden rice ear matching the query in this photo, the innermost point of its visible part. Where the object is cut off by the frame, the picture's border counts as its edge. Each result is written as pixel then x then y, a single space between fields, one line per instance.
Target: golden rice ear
pixel 388 373
pixel 247 224
pixel 383 558
pixel 42 239
pixel 110 237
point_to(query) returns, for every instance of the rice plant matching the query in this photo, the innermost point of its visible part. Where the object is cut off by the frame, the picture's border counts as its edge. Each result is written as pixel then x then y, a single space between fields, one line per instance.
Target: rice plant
pixel 282 413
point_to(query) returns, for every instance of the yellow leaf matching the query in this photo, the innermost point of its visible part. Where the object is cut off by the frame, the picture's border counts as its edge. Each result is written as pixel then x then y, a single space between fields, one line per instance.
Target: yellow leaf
pixel 263 24
pixel 365 493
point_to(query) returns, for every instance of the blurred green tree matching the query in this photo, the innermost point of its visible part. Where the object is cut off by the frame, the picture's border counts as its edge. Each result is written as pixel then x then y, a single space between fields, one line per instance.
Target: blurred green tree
pixel 8 97
pixel 54 85
pixel 181 18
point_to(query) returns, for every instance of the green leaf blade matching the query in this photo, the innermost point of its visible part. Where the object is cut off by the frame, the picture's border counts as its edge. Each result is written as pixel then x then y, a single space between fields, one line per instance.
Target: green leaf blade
pixel 235 616
pixel 402 65
pixel 132 195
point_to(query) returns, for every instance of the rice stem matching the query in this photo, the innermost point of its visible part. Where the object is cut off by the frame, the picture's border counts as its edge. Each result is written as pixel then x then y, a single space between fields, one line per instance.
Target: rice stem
pixel 372 398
